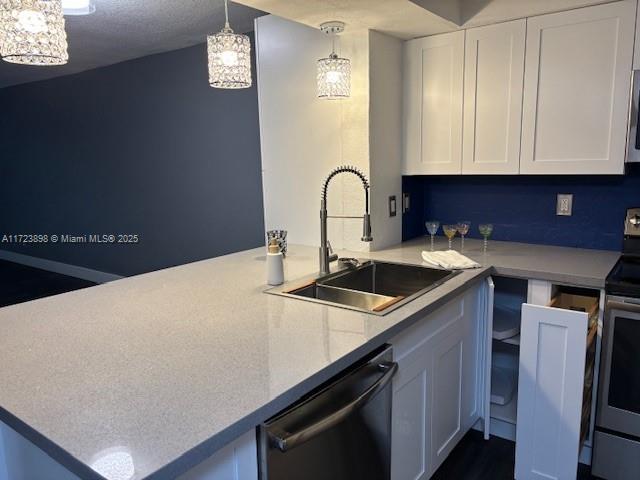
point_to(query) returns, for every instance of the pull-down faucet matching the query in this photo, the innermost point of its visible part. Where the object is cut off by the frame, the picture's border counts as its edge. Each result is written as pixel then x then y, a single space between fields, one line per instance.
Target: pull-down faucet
pixel 326 254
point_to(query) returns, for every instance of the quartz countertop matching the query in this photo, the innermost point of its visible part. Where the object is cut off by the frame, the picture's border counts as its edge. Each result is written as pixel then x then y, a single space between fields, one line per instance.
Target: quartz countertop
pixel 170 366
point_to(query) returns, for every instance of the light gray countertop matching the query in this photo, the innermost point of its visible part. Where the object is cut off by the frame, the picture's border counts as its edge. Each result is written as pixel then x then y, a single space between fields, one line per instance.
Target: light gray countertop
pixel 172 365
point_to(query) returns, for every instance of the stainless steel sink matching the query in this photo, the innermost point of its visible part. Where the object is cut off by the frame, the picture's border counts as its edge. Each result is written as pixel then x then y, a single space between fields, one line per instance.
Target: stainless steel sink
pixel 373 287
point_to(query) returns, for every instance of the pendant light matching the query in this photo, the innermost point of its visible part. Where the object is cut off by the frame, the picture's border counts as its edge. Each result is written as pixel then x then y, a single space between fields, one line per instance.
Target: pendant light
pixel 229 57
pixel 334 73
pixel 32 32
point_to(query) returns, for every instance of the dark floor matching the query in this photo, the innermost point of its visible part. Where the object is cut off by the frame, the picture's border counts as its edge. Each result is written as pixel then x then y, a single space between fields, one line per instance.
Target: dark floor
pixel 477 459
pixel 19 283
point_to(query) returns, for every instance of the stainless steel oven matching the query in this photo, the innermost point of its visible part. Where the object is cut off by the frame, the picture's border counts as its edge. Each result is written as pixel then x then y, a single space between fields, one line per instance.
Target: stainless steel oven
pixel 616 449
pixel 617 437
pixel 619 406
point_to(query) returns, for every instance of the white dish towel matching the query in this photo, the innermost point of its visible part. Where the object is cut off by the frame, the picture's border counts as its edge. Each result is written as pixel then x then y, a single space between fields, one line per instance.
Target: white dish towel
pixel 449 259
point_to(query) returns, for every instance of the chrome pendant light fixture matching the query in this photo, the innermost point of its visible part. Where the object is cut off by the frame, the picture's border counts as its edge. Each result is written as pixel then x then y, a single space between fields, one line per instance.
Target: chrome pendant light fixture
pixel 32 32
pixel 334 72
pixel 229 57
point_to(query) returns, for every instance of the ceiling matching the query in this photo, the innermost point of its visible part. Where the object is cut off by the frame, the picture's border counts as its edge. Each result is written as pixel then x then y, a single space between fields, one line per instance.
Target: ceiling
pixel 412 18
pixel 121 30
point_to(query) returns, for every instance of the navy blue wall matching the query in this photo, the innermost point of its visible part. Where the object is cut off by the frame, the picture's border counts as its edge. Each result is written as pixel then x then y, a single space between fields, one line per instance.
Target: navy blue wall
pixel 143 147
pixel 522 208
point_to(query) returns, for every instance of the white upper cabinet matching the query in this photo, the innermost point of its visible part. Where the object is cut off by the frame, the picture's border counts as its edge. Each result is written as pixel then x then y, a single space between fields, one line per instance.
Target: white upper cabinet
pixel 494 70
pixel 576 90
pixel 433 90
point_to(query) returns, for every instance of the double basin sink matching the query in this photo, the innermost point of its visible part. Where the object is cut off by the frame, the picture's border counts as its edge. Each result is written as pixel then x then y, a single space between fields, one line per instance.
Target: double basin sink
pixel 371 286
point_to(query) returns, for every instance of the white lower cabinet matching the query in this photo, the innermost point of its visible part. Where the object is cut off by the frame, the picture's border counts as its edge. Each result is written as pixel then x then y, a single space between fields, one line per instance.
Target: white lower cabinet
pixel 438 391
pixel 546 402
pixel 22 460
pixel 236 461
pixel 4 475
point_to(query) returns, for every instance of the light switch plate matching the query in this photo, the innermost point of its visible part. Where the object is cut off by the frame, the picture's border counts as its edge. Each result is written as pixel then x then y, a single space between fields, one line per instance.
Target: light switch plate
pixel 393 207
pixel 406 202
pixel 564 205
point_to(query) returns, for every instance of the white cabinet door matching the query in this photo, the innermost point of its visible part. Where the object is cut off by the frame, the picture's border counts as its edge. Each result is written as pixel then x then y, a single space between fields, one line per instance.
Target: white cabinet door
pixel 236 461
pixel 576 90
pixel 447 361
pixel 437 392
pixel 493 76
pixel 433 89
pixel 411 434
pixel 550 391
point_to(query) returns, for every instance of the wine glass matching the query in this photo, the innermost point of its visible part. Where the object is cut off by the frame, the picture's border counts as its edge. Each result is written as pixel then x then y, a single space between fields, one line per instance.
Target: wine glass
pixel 432 228
pixel 450 231
pixel 485 229
pixel 463 228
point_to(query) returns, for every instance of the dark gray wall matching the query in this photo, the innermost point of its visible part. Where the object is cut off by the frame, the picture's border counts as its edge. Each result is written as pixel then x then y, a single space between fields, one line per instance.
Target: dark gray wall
pixel 143 147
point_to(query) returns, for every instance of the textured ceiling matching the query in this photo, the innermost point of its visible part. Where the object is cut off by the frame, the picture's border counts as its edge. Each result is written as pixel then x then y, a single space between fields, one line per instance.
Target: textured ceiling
pixel 125 29
pixel 412 18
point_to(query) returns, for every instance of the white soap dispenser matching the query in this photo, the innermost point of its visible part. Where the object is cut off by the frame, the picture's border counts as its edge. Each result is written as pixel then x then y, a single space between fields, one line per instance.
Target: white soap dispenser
pixel 275 264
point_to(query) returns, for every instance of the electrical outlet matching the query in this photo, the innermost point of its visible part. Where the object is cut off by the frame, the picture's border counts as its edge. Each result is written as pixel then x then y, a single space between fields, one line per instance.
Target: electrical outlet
pixel 393 209
pixel 564 205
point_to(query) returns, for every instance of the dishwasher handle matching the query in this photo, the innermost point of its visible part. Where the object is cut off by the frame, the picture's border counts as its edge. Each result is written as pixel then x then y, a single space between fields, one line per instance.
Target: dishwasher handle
pixel 285 441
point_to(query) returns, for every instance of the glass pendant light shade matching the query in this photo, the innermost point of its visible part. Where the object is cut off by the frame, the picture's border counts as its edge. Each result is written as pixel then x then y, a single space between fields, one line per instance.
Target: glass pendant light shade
pixel 334 73
pixel 32 32
pixel 334 77
pixel 229 58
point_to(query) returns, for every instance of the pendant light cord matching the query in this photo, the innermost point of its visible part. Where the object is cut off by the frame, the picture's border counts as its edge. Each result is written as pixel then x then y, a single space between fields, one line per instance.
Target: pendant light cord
pixel 226 14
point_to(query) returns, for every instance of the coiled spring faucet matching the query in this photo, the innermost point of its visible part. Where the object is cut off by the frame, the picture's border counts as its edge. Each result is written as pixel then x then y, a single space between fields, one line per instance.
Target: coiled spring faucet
pixel 326 254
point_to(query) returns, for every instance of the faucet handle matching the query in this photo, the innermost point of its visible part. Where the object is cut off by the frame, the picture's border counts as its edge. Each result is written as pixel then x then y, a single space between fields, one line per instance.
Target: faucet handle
pixel 329 247
pixel 332 256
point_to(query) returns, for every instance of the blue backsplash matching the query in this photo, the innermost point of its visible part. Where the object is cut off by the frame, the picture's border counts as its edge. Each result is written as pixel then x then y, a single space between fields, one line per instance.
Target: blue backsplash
pixel 522 208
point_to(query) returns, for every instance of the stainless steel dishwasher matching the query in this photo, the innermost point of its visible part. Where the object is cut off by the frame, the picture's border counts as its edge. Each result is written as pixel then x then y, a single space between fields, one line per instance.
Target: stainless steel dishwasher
pixel 342 431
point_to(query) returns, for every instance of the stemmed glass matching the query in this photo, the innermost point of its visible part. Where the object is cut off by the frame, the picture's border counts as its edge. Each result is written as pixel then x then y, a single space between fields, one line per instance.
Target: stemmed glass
pixel 450 231
pixel 486 229
pixel 463 229
pixel 432 228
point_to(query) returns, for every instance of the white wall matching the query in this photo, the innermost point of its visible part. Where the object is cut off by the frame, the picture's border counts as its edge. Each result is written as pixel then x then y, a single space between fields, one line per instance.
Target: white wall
pixel 303 138
pixel 385 134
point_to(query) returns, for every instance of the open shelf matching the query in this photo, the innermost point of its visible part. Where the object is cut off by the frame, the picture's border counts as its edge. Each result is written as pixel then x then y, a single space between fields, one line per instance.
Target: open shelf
pixel 507 413
pixel 510 294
